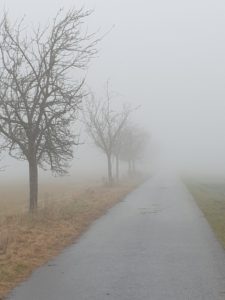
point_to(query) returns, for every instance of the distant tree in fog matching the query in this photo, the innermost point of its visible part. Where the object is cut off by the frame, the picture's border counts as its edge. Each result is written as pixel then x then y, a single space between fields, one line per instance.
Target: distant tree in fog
pixel 39 98
pixel 117 151
pixel 132 146
pixel 104 125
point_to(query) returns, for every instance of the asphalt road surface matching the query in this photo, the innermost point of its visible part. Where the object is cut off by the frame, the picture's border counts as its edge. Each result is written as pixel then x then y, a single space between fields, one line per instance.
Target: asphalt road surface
pixel 155 245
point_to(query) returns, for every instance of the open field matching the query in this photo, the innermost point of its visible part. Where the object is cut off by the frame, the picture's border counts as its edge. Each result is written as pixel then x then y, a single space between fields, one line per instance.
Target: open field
pixel 211 199
pixel 27 242
pixel 14 194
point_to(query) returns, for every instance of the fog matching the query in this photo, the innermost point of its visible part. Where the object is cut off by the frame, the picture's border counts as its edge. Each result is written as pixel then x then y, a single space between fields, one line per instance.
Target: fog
pixel 166 56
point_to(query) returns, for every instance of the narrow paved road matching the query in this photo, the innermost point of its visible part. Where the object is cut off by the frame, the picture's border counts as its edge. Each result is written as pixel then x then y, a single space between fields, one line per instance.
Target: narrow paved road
pixel 155 245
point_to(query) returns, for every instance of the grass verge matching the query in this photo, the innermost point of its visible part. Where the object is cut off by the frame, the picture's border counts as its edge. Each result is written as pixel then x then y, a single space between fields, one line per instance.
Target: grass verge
pixel 211 200
pixel 27 242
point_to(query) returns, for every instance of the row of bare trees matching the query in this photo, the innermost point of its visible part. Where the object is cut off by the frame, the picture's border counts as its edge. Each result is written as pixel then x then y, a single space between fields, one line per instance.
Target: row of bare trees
pixel 132 145
pixel 104 125
pixel 41 96
pixel 113 133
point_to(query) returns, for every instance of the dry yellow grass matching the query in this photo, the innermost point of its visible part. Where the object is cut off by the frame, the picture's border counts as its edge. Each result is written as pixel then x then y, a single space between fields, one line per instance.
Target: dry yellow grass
pixel 211 200
pixel 13 196
pixel 30 241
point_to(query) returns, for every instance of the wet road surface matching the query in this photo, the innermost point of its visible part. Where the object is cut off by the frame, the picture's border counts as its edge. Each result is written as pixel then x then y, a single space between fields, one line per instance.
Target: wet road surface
pixel 155 245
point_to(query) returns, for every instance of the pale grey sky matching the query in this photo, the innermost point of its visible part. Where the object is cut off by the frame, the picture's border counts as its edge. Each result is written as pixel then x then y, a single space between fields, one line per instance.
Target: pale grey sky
pixel 168 57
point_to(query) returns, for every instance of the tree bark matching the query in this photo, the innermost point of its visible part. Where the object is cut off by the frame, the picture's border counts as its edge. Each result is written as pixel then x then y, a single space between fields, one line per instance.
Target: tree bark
pixel 33 183
pixel 110 177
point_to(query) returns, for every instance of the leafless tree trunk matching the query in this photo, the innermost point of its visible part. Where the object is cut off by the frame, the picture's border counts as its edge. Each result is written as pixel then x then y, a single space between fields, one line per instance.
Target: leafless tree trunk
pixel 110 175
pixel 33 183
pixel 117 168
pixel 133 166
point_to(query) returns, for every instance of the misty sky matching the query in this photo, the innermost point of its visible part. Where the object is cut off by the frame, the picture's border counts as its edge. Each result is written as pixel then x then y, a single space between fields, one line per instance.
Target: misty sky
pixel 168 57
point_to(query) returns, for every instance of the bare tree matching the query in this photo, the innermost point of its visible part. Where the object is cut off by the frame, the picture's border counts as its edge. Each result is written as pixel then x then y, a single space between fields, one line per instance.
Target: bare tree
pixel 39 99
pixel 104 125
pixel 132 145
